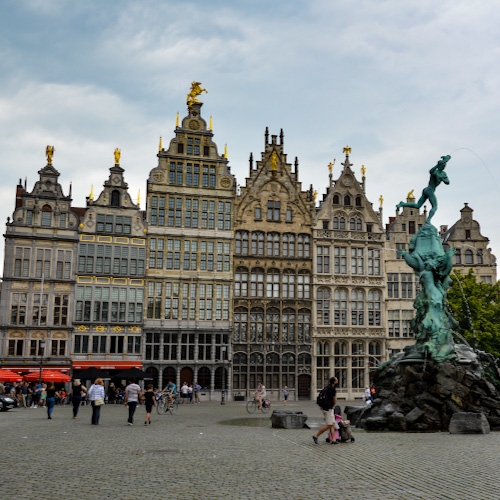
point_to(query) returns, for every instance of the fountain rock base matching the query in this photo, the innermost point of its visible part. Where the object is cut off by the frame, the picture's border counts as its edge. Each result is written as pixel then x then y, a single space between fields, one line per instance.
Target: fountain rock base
pixel 424 396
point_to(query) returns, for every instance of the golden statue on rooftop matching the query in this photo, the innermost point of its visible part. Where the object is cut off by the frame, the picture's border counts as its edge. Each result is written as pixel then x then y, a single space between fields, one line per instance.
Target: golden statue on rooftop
pixel 363 170
pixel 410 195
pixel 196 90
pixel 274 161
pixel 347 150
pixel 381 199
pixel 314 195
pixel 117 156
pixel 330 165
pixel 49 152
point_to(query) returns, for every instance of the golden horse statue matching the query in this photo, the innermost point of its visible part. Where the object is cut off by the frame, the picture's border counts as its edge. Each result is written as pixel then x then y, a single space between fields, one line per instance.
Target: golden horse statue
pixel 196 90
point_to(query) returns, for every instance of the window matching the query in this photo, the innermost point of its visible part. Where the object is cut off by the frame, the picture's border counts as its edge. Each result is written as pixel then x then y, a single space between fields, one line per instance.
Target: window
pixel 288 245
pixel 303 286
pixel 240 324
pixel 29 217
pixel 61 310
pixel 81 344
pixel 335 223
pixel 469 257
pixel 467 234
pixel 357 261
pixel 303 247
pixel 273 284
pixel 374 308
pixel 323 259
pixel 358 201
pixel 399 248
pixel 393 323
pixel 322 364
pixel 458 257
pixel 336 199
pixel 288 326
pixel 289 216
pixel 115 198
pixel 39 311
pixel 22 262
pixel 18 308
pixel 16 347
pixel 357 308
pixel 323 306
pixel 340 363
pixel 258 213
pixel 63 264
pixel 43 258
pixel 347 200
pixel 358 365
pixel 373 262
pixel 406 285
pixel 191 214
pixel 46 216
pixel 340 307
pixel 241 244
pixel 411 227
pixel 273 211
pixel 156 253
pixel 288 284
pixel 257 325
pixel 257 283
pixel 342 223
pixel 304 326
pixel 273 244
pixel 340 260
pixel 392 286
pixel 241 282
pixel 257 243
pixel 273 325
pixel 58 348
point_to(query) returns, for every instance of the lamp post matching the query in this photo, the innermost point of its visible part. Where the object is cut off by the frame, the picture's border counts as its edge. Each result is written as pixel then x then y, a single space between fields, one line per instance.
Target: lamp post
pixel 223 395
pixel 42 347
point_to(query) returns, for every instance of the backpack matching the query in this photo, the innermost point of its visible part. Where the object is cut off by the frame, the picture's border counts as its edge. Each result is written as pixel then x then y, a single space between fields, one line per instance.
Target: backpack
pixel 322 399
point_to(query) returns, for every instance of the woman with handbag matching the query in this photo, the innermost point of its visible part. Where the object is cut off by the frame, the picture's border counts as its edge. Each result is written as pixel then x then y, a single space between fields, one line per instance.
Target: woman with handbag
pixel 96 396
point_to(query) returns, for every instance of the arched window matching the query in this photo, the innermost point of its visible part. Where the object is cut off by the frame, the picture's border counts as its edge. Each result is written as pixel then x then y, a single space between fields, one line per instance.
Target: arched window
pixel 169 374
pixel 241 243
pixel 288 326
pixel 257 243
pixel 288 370
pixel 304 359
pixel 458 257
pixel 115 198
pixel 358 365
pixel 353 225
pixel 358 201
pixel 256 369
pixel 46 216
pixel 288 245
pixel 273 284
pixel 155 374
pixel 479 257
pixel 375 352
pixel 272 371
pixel 347 200
pixel 304 326
pixel 240 370
pixel 323 306
pixel 240 324
pixel 340 363
pixel 336 199
pixel 304 285
pixel 469 257
pixel 357 308
pixel 359 226
pixel 342 223
pixel 288 284
pixel 304 245
pixel 273 244
pixel 374 308
pixel 257 325
pixel 241 282
pixel 340 307
pixel 322 364
pixel 335 223
pixel 257 283
pixel 273 325
pixel 204 377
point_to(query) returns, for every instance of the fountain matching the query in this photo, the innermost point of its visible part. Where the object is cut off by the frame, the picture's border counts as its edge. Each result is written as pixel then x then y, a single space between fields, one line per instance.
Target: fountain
pixel 422 388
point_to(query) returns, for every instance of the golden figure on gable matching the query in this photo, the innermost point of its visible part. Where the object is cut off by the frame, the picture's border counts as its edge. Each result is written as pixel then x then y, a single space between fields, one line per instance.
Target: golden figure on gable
pixel 49 153
pixel 117 156
pixel 381 199
pixel 347 150
pixel 274 161
pixel 363 170
pixel 330 165
pixel 196 90
pixel 410 194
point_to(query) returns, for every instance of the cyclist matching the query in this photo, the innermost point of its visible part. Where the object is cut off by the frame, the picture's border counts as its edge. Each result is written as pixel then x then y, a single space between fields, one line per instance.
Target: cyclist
pixel 261 394
pixel 170 391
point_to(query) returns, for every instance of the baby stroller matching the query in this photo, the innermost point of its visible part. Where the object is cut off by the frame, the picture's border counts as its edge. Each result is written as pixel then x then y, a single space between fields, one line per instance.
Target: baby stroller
pixel 343 432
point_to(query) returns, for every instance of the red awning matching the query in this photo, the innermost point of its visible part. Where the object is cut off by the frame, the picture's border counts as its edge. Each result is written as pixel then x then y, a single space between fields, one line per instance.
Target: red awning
pixel 24 368
pixel 106 365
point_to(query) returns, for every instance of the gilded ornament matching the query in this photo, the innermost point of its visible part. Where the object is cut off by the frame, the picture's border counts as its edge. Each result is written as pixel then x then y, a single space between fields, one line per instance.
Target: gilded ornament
pixel 196 90
pixel 274 161
pixel 347 150
pixel 117 156
pixel 49 151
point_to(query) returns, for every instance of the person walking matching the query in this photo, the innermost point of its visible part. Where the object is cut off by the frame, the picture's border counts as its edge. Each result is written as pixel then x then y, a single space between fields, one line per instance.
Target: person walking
pixel 24 394
pixel 327 405
pixel 150 400
pixel 76 396
pixel 184 392
pixel 133 397
pixel 96 396
pixel 197 390
pixel 50 399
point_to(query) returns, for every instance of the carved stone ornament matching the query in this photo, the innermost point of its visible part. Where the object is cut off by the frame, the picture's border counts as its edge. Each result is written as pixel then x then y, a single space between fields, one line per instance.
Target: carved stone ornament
pixel 194 124
pixel 158 176
pixel 226 182
pixel 16 335
pixel 347 180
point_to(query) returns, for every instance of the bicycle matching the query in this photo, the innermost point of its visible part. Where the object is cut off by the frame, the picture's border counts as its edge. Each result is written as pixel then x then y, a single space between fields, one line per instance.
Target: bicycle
pixel 253 405
pixel 163 405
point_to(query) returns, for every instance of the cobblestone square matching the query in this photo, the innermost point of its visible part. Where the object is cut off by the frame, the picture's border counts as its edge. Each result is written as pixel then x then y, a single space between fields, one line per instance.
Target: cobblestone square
pixel 214 451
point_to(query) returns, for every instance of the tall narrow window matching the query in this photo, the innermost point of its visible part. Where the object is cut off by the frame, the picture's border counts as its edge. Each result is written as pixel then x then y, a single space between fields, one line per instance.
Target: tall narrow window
pixel 323 306
pixel 115 198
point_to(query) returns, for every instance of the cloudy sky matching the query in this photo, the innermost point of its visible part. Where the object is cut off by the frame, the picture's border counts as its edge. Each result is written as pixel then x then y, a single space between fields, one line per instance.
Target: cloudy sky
pixel 401 83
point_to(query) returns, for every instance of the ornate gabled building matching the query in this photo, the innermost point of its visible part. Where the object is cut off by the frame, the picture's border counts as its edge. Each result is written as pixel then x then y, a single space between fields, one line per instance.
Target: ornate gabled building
pixel 272 284
pixel 472 247
pixel 110 276
pixel 190 196
pixel 38 279
pixel 402 283
pixel 349 336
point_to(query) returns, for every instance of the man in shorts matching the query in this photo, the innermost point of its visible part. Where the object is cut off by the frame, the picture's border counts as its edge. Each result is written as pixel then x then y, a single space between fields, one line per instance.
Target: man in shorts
pixel 170 390
pixel 261 394
pixel 331 401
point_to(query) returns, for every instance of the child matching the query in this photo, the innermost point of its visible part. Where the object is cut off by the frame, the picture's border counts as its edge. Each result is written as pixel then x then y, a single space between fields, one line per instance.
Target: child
pixel 149 397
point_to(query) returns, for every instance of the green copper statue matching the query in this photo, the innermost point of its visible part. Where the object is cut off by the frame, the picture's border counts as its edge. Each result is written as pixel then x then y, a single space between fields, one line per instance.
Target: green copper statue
pixel 438 175
pixel 432 325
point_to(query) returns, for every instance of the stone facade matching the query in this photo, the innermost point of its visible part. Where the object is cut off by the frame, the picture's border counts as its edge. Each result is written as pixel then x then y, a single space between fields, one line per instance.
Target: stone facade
pixel 190 196
pixel 472 247
pixel 39 277
pixel 273 272
pixel 110 277
pixel 349 334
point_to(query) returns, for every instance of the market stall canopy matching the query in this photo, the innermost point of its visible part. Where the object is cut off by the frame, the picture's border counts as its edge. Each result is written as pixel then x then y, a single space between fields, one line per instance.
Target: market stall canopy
pixel 47 376
pixel 8 376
